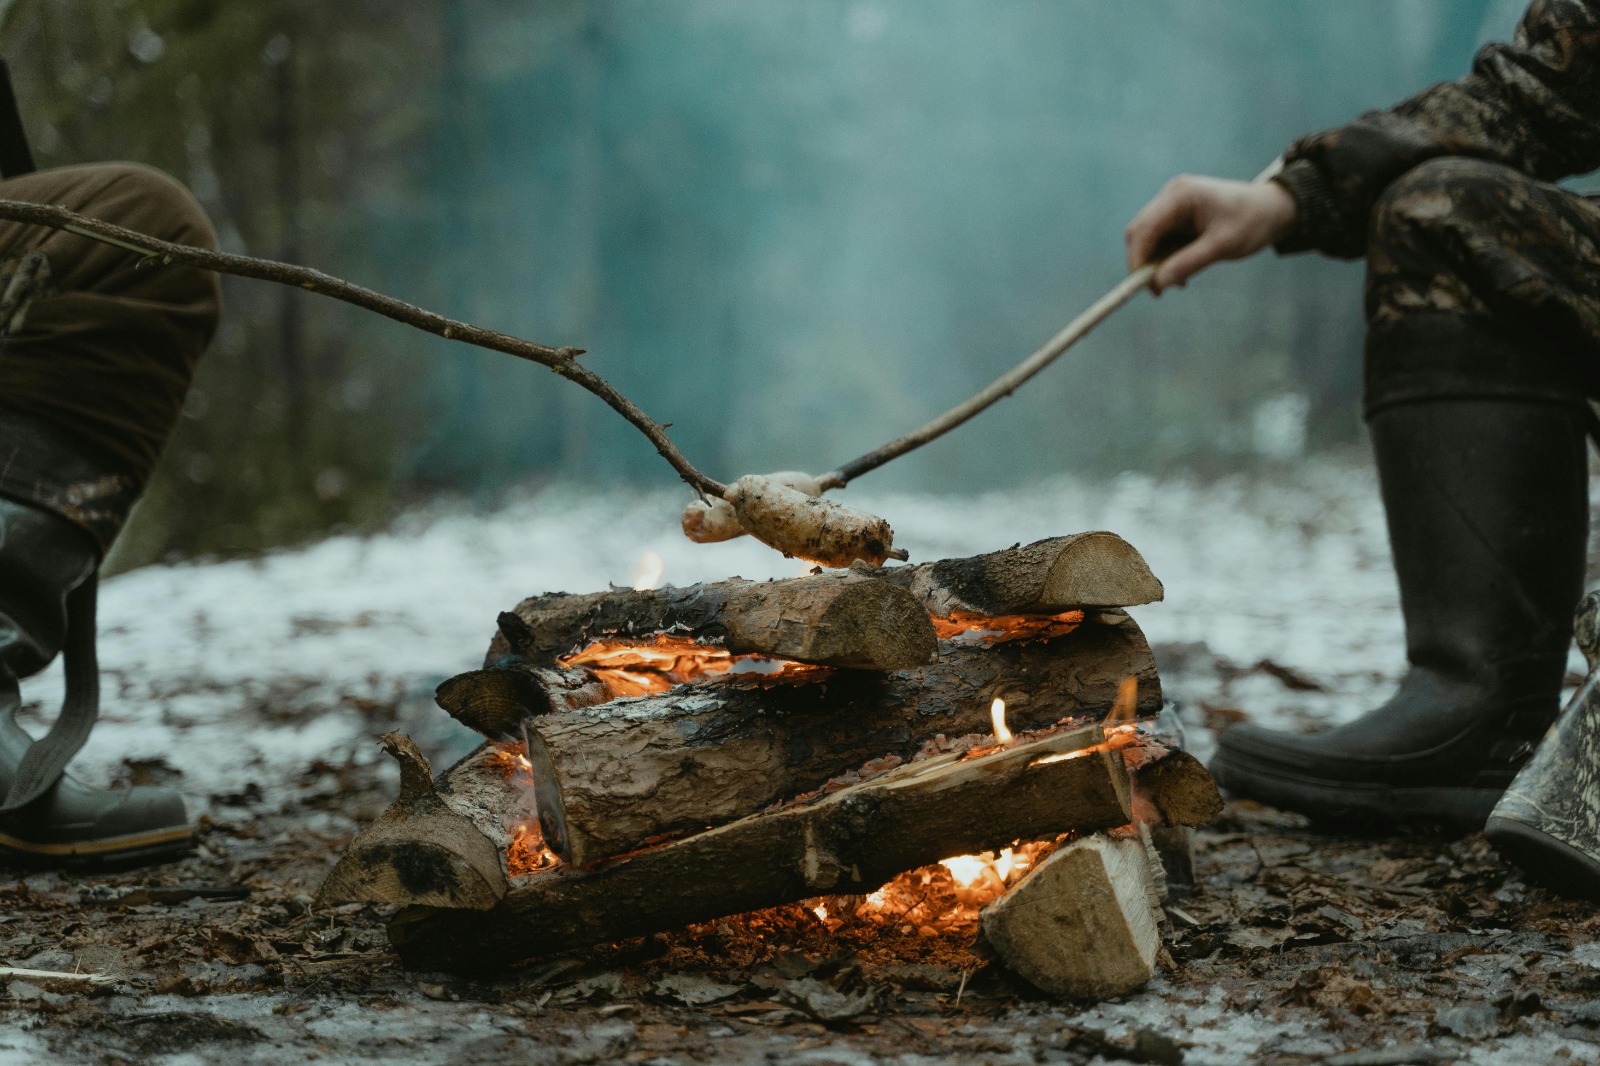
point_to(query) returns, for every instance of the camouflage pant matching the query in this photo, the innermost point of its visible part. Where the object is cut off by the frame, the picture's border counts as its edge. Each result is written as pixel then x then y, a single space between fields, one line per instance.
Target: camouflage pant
pixel 1482 283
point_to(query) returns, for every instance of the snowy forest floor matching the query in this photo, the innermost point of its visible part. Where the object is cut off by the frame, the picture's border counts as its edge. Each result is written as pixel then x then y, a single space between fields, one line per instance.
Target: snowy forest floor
pixel 258 687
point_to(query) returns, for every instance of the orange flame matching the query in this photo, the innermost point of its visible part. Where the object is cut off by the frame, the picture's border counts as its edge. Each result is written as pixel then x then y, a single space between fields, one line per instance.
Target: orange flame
pixel 1127 701
pixel 997 715
pixel 640 667
pixel 997 629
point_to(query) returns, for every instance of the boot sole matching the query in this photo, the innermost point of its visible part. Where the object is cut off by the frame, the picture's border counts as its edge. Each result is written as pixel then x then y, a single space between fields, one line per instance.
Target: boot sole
pixel 1545 860
pixel 134 849
pixel 1358 805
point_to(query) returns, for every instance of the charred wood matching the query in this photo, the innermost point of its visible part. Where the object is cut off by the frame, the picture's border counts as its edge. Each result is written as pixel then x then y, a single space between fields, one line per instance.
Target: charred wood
pixel 610 778
pixel 848 619
pixel 848 841
pixel 441 844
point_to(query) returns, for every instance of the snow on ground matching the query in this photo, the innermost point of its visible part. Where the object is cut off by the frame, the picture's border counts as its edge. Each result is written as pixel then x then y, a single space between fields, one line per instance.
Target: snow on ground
pixel 1290 569
pixel 1293 569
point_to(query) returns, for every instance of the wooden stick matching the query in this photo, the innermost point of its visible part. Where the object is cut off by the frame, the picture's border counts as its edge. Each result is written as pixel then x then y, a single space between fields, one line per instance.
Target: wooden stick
pixel 850 841
pixel 562 361
pixel 25 974
pixel 1002 386
pixel 1011 380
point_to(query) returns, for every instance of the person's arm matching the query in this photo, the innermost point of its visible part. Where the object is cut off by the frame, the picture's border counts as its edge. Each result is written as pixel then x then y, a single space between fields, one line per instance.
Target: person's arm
pixel 1533 105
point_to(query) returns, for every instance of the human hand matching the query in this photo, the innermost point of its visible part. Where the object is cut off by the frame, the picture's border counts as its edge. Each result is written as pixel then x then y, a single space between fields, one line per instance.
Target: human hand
pixel 1212 219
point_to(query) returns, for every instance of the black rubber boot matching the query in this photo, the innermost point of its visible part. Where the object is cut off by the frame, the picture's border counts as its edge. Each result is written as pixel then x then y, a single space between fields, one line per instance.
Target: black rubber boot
pixel 47 574
pixel 1488 517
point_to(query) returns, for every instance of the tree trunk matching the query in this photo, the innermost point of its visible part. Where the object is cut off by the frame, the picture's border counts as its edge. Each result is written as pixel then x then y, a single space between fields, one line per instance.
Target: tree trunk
pixel 610 778
pixel 1045 577
pixel 849 841
pixel 441 844
pixel 848 618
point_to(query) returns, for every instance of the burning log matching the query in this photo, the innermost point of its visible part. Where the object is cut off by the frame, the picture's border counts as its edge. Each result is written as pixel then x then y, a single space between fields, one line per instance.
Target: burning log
pixel 612 777
pixel 847 618
pixel 441 844
pixel 1085 924
pixel 852 840
pixel 1045 577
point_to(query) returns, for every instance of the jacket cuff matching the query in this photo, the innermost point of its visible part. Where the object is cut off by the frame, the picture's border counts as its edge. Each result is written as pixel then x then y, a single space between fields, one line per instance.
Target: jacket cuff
pixel 1320 223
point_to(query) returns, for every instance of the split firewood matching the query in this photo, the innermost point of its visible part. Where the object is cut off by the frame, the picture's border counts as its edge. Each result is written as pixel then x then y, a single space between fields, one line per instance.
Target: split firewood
pixel 1081 570
pixel 1083 924
pixel 440 844
pixel 850 841
pixel 610 777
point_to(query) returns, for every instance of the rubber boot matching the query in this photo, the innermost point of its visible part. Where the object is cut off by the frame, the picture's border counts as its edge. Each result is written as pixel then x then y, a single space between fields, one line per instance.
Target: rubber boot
pixel 1548 821
pixel 47 563
pixel 1487 509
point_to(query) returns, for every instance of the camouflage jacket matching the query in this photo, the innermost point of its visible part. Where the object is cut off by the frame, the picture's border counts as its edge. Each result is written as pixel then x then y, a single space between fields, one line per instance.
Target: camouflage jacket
pixel 1533 105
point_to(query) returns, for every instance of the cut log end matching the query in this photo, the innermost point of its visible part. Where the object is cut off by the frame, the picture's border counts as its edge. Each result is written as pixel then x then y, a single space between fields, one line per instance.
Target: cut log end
pixel 435 860
pixel 1081 925
pixel 495 701
pixel 1084 570
pixel 1099 570
pixel 1180 789
pixel 422 851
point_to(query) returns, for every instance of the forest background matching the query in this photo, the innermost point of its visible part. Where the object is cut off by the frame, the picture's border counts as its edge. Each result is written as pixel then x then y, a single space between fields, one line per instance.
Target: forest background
pixel 793 230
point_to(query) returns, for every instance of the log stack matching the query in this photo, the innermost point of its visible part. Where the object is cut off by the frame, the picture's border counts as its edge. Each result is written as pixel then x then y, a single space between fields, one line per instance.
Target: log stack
pixel 658 758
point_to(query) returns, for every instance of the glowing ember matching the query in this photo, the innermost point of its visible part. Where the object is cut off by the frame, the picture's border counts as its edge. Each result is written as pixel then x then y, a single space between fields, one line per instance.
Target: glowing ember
pixel 636 668
pixel 648 571
pixel 944 899
pixel 978 628
pixel 821 911
pixel 1118 737
pixel 527 853
pixel 997 715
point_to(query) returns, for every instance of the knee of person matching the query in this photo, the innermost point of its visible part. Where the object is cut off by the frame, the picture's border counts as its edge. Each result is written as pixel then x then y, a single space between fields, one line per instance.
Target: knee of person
pixel 1450 192
pixel 165 206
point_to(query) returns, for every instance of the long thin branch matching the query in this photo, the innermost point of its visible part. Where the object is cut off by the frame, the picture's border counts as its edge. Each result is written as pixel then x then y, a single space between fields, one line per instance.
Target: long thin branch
pixel 563 361
pixel 1011 380
pixel 1002 386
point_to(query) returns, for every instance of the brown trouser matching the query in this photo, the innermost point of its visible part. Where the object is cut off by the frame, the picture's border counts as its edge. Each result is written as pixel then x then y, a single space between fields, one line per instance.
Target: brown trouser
pixel 93 382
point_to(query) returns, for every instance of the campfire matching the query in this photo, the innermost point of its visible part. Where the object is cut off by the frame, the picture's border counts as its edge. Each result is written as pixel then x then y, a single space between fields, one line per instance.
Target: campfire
pixel 958 748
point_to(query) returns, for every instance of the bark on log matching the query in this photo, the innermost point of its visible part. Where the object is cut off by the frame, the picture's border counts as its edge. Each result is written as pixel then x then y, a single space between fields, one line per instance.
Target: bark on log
pixel 849 619
pixel 1083 925
pixel 1048 576
pixel 850 841
pixel 612 777
pixel 441 844
pixel 497 700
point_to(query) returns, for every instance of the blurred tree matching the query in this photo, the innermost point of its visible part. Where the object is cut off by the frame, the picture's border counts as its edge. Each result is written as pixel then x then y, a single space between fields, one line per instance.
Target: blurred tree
pixel 290 121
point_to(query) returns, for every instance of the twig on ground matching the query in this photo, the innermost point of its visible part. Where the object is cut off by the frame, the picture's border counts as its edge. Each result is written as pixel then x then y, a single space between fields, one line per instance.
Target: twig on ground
pixel 54 975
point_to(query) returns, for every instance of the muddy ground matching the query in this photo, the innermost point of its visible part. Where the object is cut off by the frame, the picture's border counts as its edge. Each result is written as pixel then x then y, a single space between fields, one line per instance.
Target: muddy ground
pixel 1295 947
pixel 258 688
